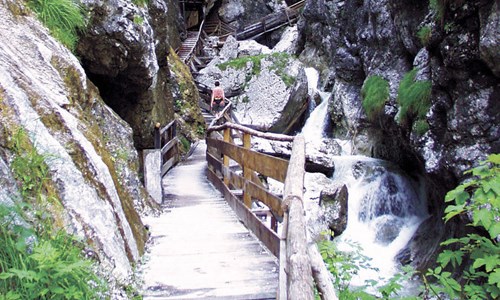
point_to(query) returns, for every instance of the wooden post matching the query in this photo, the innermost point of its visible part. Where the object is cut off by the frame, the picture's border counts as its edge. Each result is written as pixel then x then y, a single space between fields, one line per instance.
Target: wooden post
pixel 299 281
pixel 247 173
pixel 227 138
pixel 157 137
pixel 322 276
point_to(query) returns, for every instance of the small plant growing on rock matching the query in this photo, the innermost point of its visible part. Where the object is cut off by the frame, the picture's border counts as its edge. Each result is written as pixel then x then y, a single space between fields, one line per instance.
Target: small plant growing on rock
pixel 424 34
pixel 413 98
pixel 64 18
pixel 140 2
pixel 375 92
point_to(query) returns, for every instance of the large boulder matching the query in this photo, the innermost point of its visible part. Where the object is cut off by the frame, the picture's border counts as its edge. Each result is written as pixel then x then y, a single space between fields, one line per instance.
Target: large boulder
pixel 124 51
pixel 270 87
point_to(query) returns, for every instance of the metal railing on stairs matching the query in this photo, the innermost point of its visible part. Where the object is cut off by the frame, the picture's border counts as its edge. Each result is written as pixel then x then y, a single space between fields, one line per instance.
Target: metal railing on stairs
pixel 236 171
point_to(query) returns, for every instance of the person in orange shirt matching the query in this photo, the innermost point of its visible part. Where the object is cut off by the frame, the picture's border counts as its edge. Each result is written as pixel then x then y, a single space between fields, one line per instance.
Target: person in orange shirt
pixel 217 100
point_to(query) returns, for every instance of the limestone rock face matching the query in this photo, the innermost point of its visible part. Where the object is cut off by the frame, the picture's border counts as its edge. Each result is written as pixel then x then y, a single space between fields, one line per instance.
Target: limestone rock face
pixel 348 41
pixel 124 51
pixel 89 151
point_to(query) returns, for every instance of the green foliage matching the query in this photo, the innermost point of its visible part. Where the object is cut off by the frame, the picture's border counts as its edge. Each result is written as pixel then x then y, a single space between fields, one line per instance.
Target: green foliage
pixel 140 2
pixel 138 20
pixel 413 98
pixel 200 129
pixel 424 34
pixel 437 6
pixel 42 263
pixel 345 265
pixel 241 63
pixel 478 199
pixel 64 18
pixel 279 63
pixel 29 167
pixel 185 144
pixel 375 92
pixel 421 127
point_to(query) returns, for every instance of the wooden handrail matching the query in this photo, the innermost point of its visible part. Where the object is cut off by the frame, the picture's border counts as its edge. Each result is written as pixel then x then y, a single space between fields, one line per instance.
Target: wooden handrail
pixel 253 132
pixel 166 140
pixel 299 284
pixel 300 261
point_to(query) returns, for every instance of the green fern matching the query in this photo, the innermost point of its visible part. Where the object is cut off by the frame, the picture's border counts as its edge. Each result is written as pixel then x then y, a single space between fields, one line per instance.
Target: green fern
pixel 375 92
pixel 64 18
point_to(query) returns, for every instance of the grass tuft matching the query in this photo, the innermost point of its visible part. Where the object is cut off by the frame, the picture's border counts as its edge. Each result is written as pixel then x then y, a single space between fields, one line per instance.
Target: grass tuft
pixel 375 92
pixel 413 98
pixel 424 34
pixel 64 18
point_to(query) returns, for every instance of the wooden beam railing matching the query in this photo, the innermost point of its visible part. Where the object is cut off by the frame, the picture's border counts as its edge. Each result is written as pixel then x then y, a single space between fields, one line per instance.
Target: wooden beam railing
pixel 234 167
pixel 166 140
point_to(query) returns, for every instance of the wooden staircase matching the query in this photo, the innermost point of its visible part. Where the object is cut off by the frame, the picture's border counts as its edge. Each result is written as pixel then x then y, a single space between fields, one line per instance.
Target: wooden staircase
pixel 188 45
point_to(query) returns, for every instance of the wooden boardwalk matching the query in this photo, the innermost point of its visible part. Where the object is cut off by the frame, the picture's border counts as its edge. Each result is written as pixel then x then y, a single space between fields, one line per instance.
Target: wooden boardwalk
pixel 200 250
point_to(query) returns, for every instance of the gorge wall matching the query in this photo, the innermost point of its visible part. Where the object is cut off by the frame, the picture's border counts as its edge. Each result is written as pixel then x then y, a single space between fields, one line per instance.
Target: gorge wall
pixel 454 44
pixel 48 104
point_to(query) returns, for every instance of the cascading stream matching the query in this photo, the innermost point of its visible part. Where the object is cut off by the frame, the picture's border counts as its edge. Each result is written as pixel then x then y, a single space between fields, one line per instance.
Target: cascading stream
pixel 385 206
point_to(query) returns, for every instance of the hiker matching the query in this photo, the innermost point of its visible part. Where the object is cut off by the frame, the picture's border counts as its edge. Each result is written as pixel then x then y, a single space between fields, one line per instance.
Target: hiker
pixel 217 99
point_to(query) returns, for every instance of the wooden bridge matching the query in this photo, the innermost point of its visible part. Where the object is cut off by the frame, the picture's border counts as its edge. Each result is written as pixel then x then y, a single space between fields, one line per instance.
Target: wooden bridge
pixel 223 234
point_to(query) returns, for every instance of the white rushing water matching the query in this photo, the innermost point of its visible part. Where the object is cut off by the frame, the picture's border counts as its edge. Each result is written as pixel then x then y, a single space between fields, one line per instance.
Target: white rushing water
pixel 385 207
pixel 314 127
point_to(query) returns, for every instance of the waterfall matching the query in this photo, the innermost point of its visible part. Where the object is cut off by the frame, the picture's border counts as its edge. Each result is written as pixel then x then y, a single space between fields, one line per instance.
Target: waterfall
pixel 314 127
pixel 317 121
pixel 385 206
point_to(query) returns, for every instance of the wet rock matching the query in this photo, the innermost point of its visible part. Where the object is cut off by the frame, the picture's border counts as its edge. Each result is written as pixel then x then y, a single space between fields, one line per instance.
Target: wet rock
pixel 388 228
pixel 334 199
pixel 489 44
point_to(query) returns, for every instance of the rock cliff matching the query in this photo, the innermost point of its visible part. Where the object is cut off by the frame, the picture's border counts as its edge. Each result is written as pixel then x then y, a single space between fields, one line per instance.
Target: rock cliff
pixel 452 44
pixel 93 188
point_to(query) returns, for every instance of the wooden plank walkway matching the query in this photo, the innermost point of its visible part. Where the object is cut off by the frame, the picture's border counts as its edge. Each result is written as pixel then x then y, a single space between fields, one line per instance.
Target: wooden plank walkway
pixel 200 250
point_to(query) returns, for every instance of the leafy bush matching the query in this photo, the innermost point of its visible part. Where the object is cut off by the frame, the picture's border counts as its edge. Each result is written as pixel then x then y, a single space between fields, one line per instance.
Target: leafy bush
pixel 413 98
pixel 42 263
pixel 37 260
pixel 345 265
pixel 375 92
pixel 64 18
pixel 479 200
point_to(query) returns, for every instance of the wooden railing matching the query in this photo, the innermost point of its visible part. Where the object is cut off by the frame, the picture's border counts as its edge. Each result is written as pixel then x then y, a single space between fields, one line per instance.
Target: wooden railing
pixel 166 139
pixel 235 170
pixel 271 22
